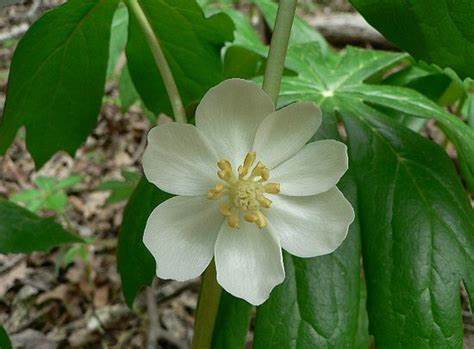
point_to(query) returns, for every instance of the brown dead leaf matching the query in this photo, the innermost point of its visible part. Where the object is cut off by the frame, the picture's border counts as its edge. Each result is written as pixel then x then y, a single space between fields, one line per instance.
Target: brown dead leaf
pixel 7 279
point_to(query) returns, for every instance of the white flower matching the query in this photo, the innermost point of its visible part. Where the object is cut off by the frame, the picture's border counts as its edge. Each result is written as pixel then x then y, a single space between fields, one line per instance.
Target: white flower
pixel 283 195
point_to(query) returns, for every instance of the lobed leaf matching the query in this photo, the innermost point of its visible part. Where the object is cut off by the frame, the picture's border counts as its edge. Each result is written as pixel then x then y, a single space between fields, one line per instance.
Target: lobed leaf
pixel 417 232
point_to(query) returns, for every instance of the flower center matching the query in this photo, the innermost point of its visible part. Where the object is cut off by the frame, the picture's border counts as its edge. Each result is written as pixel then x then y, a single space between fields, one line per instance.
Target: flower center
pixel 245 192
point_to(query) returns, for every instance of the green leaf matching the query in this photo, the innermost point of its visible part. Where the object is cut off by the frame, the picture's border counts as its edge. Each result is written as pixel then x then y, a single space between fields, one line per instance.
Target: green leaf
pixel 191 44
pixel 423 78
pixel 23 232
pixel 417 231
pixel 128 93
pixel 439 32
pixel 57 78
pixel 232 323
pixel 135 263
pixel 68 182
pixel 336 80
pixel 4 340
pixel 245 35
pixel 121 190
pixel 301 32
pixel 118 38
pixel 413 103
pixel 318 305
pixel 321 304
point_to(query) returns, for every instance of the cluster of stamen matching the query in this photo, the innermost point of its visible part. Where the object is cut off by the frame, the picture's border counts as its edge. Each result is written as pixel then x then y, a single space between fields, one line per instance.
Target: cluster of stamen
pixel 245 192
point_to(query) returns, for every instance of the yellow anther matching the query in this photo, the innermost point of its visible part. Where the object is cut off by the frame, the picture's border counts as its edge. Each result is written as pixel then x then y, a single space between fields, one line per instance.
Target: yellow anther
pixel 225 175
pixel 262 220
pixel 224 165
pixel 260 171
pixel 272 188
pixel 251 217
pixel 248 162
pixel 264 202
pixel 233 220
pixel 244 193
pixel 216 192
pixel 225 209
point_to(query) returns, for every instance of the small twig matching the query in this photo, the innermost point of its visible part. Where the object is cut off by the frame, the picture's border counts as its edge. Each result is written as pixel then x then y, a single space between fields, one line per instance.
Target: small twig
pixel 10 263
pixel 14 32
pixel 153 317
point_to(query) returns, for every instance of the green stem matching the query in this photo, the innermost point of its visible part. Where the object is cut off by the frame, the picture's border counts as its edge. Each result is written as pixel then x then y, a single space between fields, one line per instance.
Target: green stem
pixel 210 293
pixel 278 48
pixel 161 62
pixel 207 309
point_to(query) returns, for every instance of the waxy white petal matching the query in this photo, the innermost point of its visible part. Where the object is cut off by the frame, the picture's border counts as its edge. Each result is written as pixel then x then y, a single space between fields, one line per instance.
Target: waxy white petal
pixel 179 160
pixel 229 115
pixel 180 234
pixel 310 226
pixel 315 169
pixel 249 262
pixel 284 132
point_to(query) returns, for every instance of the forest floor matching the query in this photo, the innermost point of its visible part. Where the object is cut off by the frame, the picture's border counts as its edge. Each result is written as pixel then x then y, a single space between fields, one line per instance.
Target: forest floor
pixel 46 304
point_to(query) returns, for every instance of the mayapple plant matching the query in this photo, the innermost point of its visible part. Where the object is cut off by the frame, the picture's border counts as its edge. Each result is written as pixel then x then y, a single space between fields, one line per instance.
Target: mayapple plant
pixel 295 178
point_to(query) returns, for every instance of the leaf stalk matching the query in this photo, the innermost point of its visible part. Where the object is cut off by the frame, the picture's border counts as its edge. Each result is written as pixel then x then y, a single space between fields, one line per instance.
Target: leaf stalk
pixel 160 60
pixel 278 48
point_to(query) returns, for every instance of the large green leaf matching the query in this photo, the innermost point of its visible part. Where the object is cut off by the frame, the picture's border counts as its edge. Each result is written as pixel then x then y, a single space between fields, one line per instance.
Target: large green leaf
pixel 336 80
pixel 135 263
pixel 191 43
pixel 437 31
pixel 23 232
pixel 57 78
pixel 318 305
pixel 417 227
pixel 4 340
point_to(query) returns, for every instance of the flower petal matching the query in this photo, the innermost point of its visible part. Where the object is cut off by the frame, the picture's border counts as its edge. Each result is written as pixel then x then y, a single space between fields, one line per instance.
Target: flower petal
pixel 286 131
pixel 179 160
pixel 229 115
pixel 181 233
pixel 310 226
pixel 249 262
pixel 315 169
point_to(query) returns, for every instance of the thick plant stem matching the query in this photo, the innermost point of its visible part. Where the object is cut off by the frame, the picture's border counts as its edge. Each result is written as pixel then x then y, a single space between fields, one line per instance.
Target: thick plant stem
pixel 208 306
pixel 160 60
pixel 278 48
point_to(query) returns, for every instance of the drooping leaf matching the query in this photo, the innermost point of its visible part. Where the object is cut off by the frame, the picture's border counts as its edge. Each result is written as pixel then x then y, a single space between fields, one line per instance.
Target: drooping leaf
pixel 191 43
pixel 417 232
pixel 336 80
pixel 57 78
pixel 128 93
pixel 439 32
pixel 135 263
pixel 320 304
pixel 5 342
pixel 118 38
pixel 301 32
pixel 24 232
